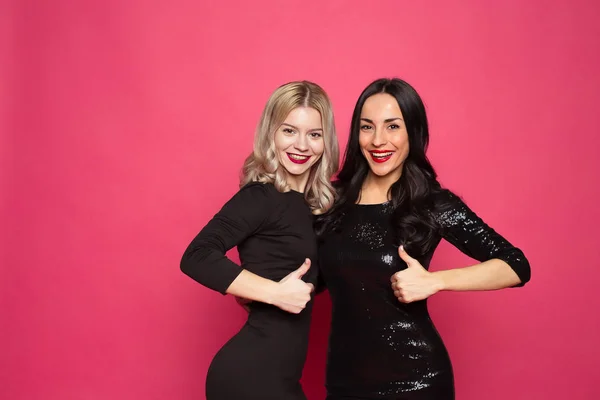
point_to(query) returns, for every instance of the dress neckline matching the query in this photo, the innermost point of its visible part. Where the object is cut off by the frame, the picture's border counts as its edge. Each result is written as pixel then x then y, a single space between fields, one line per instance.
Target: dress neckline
pixel 374 204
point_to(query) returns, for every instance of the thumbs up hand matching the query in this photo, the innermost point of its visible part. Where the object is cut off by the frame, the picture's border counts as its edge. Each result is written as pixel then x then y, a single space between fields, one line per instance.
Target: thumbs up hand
pixel 293 293
pixel 414 283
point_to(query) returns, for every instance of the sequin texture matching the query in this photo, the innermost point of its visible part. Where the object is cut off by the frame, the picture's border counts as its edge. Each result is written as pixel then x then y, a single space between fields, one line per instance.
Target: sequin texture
pixel 370 234
pixel 380 348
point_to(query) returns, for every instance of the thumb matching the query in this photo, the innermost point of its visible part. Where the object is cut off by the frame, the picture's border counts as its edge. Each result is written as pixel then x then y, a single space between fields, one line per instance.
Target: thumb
pixel 405 257
pixel 299 273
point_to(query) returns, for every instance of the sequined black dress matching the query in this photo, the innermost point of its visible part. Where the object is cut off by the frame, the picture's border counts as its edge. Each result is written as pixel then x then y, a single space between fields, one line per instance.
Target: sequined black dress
pixel 380 348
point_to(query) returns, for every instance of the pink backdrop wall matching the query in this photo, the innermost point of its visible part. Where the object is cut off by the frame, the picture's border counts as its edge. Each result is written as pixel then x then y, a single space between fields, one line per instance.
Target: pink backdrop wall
pixel 115 118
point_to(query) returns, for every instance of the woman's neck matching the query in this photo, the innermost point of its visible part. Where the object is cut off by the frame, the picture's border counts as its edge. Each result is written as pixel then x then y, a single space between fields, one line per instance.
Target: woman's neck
pixel 375 189
pixel 298 182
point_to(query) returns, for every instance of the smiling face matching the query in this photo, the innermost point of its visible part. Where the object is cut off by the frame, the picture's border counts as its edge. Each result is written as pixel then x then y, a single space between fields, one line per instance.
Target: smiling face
pixel 299 144
pixel 383 138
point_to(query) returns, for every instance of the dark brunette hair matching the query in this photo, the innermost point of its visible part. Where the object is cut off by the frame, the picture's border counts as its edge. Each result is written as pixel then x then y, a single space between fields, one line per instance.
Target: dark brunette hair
pixel 413 195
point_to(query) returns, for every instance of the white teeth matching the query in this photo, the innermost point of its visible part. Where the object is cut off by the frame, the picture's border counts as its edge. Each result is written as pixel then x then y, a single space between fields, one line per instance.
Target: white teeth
pixel 382 155
pixel 297 157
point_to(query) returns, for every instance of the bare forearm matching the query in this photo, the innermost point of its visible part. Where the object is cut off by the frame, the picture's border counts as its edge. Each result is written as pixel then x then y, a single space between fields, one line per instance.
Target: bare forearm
pixel 291 293
pixel 253 287
pixel 489 275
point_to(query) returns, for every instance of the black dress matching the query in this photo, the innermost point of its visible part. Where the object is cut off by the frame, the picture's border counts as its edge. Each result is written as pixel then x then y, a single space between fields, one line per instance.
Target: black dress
pixel 273 233
pixel 380 348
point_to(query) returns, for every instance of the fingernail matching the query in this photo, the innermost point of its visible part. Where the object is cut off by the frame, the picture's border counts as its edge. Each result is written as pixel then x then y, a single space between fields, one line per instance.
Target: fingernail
pixel 402 247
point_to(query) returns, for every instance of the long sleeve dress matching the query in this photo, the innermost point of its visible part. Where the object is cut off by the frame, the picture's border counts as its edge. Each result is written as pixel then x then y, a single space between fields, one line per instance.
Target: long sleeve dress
pixel 380 348
pixel 273 233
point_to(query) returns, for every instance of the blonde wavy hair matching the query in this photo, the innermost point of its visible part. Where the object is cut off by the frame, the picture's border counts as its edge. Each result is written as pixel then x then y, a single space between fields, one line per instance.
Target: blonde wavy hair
pixel 263 166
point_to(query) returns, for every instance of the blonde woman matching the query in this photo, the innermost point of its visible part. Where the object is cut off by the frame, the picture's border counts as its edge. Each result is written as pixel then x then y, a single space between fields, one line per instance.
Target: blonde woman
pixel 285 181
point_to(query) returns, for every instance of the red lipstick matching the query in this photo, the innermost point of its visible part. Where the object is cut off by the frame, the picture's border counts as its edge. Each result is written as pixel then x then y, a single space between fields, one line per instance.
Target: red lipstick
pixel 381 156
pixel 298 158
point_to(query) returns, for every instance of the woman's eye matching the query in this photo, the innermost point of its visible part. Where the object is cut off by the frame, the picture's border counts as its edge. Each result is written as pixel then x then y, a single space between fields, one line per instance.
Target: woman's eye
pixel 365 127
pixel 288 130
pixel 316 135
pixel 394 126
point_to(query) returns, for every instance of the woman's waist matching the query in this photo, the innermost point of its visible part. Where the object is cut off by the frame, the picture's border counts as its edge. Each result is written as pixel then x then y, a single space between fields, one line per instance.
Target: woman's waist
pixel 412 336
pixel 271 319
pixel 379 313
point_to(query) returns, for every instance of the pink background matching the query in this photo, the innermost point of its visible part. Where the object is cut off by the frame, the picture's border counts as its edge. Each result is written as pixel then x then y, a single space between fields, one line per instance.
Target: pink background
pixel 124 125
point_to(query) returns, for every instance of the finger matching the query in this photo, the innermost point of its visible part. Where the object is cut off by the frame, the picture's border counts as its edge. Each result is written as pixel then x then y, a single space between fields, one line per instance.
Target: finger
pixel 405 257
pixel 403 299
pixel 312 287
pixel 398 277
pixel 299 273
